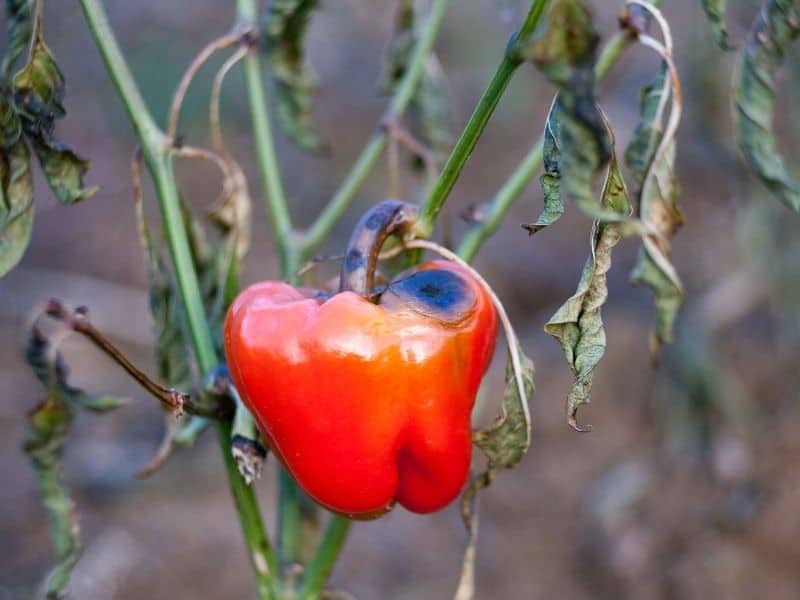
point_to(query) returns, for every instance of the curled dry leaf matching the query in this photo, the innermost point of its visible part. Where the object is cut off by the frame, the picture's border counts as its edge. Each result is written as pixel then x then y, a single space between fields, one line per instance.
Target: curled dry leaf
pixel 651 158
pixel 578 323
pixel 30 103
pixel 550 180
pixel 577 143
pixel 16 190
pixel 775 29
pixel 38 97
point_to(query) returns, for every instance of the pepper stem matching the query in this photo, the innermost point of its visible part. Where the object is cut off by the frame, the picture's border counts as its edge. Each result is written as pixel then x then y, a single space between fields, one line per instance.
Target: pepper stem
pixel 390 217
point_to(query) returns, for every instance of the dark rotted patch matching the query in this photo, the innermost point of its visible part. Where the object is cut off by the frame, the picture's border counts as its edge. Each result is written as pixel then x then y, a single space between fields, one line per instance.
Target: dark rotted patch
pixel 354 260
pixel 440 294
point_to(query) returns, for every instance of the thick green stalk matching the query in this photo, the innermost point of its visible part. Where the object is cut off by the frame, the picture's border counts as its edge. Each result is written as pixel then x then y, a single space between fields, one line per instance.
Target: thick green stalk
pixel 369 156
pixel 275 197
pixel 320 566
pixel 512 59
pixel 156 151
pixel 519 179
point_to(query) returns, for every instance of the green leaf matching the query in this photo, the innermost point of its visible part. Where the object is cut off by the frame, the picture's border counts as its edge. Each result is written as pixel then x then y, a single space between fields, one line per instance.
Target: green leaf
pixel 715 12
pixel 566 52
pixel 578 323
pixel 19 28
pixel 39 96
pixel 651 159
pixel 774 30
pixel 284 30
pixel 550 180
pixel 16 198
pixel 48 427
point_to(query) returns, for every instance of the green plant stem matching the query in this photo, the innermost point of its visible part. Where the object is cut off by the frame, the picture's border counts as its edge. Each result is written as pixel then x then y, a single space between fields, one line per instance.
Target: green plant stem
pixel 321 564
pixel 288 518
pixel 512 59
pixel 275 196
pixel 369 156
pixel 520 178
pixel 156 151
pixel 262 557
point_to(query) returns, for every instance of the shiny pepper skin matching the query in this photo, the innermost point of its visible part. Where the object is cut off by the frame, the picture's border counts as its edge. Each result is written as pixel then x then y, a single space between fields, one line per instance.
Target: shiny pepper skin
pixel 367 403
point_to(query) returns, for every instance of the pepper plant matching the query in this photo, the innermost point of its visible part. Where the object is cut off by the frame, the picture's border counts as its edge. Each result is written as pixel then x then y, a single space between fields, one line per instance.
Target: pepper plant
pixel 194 283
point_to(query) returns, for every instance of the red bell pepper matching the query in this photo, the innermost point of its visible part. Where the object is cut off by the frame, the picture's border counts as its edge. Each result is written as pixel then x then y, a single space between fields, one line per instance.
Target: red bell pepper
pixel 365 396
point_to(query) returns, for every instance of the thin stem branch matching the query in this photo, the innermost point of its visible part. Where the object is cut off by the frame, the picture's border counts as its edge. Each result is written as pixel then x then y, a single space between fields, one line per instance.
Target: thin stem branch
pixel 369 156
pixel 477 122
pixel 156 151
pixel 214 120
pixel 275 196
pixel 319 567
pixel 78 321
pixel 183 87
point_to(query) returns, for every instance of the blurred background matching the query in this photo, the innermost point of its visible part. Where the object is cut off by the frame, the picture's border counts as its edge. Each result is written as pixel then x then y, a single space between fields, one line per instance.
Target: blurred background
pixel 689 484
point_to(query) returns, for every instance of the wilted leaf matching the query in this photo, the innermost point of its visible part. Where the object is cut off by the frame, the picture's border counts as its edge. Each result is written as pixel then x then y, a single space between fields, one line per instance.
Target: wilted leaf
pixel 38 97
pixel 10 125
pixel 653 107
pixel 284 30
pixel 715 12
pixel 652 162
pixel 505 441
pixel 578 323
pixel 550 180
pixel 16 191
pixel 19 28
pixel 775 28
pixel 48 428
pixel 566 52
pixel 39 90
pixel 63 169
